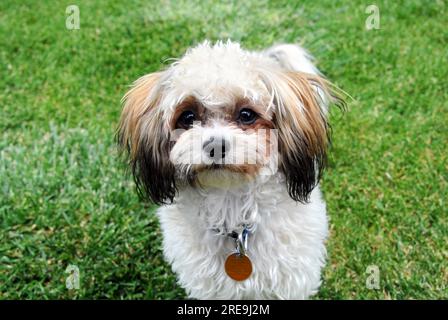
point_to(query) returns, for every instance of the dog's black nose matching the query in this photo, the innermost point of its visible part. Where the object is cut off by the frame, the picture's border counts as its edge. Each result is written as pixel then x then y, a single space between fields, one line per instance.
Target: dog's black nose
pixel 215 148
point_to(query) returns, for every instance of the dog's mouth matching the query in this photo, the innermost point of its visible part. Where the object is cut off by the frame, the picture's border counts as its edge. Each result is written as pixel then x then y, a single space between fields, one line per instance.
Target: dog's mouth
pixel 214 166
pixel 246 168
pixel 224 175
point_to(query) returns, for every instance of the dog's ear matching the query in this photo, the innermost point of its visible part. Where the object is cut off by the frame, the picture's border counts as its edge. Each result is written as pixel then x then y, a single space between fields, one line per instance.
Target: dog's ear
pixel 146 141
pixel 301 106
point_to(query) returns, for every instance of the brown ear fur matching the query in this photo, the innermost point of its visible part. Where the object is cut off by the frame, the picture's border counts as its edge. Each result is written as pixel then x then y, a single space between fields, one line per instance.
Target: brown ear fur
pixel 303 130
pixel 144 139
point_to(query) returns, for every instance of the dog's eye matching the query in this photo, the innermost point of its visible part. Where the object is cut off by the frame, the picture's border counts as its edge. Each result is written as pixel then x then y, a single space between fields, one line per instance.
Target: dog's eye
pixel 186 119
pixel 247 116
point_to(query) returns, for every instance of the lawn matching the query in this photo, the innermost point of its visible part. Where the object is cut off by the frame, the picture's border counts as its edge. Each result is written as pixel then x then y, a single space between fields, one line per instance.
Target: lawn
pixel 64 198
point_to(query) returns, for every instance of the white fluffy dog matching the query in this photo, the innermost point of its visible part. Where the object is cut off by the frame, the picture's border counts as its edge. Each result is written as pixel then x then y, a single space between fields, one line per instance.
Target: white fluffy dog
pixel 232 143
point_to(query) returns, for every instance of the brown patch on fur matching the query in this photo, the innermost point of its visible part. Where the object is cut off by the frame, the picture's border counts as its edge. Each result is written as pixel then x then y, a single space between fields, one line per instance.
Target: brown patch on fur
pixel 303 130
pixel 262 122
pixel 137 103
pixel 145 138
pixel 189 103
pixel 246 103
pixel 245 169
pixel 309 120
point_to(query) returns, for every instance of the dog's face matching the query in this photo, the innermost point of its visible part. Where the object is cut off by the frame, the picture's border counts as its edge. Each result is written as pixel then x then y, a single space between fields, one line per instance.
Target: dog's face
pixel 221 116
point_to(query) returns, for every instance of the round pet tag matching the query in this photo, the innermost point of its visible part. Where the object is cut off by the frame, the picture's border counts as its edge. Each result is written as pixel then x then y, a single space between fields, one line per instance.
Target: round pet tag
pixel 238 267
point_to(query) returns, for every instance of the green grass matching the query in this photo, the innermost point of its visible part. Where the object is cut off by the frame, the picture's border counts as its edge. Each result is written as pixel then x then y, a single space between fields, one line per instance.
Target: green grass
pixel 63 196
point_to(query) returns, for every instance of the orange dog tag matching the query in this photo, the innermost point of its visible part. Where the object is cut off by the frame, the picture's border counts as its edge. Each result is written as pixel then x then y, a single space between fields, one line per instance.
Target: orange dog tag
pixel 238 267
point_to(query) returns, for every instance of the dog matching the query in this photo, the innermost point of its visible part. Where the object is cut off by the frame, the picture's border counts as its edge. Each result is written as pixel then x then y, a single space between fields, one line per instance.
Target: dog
pixel 231 144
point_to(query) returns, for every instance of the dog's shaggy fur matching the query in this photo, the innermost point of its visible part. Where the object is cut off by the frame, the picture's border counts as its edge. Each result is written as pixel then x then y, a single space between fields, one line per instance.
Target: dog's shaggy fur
pixel 226 95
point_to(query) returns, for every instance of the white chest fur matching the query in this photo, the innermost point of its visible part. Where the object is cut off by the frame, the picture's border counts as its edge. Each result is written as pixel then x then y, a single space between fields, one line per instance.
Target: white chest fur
pixel 287 247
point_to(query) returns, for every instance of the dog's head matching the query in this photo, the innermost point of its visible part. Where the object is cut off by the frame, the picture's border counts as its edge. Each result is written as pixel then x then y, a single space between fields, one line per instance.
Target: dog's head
pixel 222 115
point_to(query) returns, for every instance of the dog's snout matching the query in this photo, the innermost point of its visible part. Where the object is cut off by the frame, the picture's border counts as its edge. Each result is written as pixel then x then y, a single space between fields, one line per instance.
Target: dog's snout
pixel 216 148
